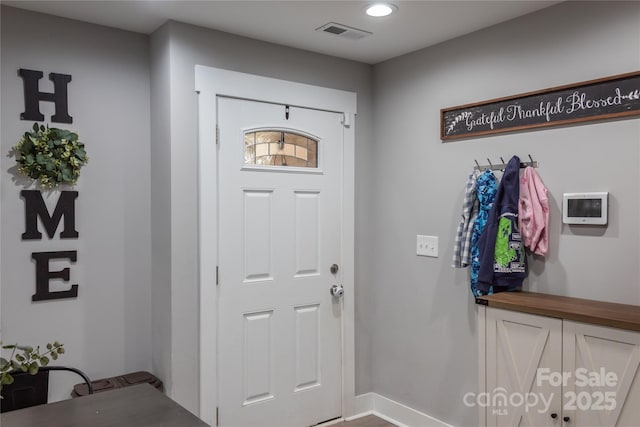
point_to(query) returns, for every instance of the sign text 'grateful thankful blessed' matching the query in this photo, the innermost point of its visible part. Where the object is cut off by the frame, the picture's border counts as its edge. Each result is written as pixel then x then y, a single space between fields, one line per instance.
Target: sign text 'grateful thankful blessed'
pixel 607 98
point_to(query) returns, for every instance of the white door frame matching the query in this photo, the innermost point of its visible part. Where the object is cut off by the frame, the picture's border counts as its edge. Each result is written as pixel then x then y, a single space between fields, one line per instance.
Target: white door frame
pixel 209 84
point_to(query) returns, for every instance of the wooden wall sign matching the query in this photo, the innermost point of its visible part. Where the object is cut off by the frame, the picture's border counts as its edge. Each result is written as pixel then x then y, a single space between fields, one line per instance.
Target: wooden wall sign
pixel 606 98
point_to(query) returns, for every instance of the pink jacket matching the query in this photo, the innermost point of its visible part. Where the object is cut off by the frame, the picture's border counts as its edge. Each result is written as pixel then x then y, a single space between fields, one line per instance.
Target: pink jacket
pixel 533 212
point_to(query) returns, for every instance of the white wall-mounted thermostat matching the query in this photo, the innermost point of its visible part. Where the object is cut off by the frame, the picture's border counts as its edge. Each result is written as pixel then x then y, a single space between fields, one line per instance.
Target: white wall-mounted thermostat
pixel 585 208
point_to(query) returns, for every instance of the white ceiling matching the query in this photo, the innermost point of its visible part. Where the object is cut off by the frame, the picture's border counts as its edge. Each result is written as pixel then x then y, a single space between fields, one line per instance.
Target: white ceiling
pixel 417 24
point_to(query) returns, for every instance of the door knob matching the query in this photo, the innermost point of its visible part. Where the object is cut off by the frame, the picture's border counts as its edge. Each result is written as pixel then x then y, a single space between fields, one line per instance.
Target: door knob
pixel 337 291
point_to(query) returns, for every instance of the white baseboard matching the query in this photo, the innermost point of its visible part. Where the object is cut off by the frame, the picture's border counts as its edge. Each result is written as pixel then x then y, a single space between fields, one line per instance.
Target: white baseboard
pixel 363 406
pixel 393 412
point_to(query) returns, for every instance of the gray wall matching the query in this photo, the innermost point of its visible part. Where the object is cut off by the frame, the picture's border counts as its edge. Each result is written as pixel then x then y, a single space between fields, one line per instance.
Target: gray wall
pixel 415 318
pixel 106 330
pixel 161 207
pixel 187 46
pixel 424 314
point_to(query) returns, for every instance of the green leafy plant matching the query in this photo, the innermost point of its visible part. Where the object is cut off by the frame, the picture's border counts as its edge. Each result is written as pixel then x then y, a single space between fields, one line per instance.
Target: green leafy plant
pixel 50 155
pixel 26 359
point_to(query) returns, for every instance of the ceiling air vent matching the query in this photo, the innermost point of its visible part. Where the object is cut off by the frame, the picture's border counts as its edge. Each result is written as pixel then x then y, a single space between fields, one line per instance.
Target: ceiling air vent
pixel 343 31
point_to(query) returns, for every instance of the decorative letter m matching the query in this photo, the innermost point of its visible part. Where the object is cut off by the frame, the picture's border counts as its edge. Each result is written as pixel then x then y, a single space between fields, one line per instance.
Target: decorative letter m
pixel 35 207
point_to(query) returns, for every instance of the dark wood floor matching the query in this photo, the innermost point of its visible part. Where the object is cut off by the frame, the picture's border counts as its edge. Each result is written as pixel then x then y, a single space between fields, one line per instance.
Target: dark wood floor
pixel 368 421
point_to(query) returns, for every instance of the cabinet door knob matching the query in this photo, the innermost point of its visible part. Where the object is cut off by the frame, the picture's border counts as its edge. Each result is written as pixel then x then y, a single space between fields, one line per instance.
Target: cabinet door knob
pixel 554 415
pixel 566 419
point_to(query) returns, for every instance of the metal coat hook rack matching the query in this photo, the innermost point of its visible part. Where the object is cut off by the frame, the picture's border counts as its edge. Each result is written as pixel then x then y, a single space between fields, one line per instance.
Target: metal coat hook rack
pixel 502 165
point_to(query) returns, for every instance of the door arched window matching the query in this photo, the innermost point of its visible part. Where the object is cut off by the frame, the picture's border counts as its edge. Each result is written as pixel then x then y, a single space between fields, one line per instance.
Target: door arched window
pixel 275 147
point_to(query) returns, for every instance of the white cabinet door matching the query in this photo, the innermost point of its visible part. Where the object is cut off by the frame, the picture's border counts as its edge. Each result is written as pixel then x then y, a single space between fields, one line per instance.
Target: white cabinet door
pixel 518 345
pixel 604 387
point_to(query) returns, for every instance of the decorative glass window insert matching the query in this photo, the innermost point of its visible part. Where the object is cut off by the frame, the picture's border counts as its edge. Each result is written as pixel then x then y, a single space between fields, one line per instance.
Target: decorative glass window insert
pixel 280 148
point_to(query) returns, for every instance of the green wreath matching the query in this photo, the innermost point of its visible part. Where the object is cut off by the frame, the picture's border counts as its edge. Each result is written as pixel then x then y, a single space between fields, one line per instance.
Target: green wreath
pixel 50 155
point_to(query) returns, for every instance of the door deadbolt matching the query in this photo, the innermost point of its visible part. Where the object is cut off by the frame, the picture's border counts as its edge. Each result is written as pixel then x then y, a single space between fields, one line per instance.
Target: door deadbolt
pixel 334 268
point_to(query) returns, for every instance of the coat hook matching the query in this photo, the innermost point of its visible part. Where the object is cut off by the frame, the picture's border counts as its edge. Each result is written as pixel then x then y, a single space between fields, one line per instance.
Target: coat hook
pixel 530 158
pixel 503 163
pixel 490 165
pixel 477 164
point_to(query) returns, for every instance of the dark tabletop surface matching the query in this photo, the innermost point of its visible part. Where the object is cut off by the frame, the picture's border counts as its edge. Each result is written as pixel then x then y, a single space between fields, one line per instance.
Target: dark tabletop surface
pixel 136 406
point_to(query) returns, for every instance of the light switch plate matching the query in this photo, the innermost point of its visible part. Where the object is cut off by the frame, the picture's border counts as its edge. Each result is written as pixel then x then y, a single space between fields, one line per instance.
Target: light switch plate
pixel 427 246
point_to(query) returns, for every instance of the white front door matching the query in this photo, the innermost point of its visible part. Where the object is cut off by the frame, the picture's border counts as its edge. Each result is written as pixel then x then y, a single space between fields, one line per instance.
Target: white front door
pixel 279 328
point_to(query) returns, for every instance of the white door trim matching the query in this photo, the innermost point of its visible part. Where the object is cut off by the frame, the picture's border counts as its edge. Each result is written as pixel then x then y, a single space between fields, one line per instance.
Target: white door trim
pixel 209 84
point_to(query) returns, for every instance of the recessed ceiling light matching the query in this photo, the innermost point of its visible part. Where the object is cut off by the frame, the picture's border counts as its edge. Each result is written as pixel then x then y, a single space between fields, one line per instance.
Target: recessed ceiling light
pixel 380 9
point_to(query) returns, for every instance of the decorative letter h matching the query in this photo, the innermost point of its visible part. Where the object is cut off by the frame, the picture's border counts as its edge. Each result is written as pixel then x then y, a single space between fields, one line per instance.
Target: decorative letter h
pixel 33 96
